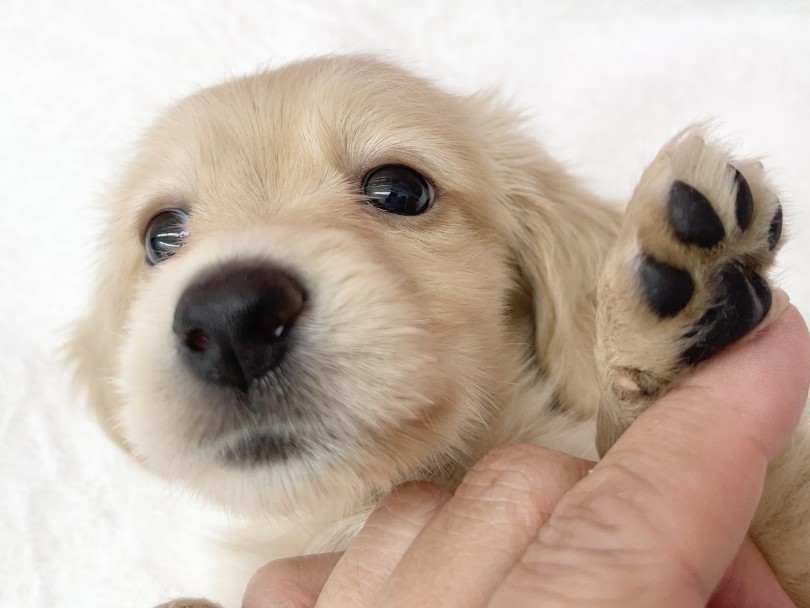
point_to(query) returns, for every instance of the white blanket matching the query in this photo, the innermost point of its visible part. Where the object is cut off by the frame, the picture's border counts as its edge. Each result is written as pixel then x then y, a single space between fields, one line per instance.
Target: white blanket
pixel 80 527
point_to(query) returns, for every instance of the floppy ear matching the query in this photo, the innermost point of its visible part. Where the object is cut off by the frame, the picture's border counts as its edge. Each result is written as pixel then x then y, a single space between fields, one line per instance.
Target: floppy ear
pixel 560 234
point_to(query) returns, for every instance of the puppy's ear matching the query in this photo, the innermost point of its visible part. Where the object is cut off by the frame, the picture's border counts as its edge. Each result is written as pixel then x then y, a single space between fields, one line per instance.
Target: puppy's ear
pixel 559 234
pixel 91 350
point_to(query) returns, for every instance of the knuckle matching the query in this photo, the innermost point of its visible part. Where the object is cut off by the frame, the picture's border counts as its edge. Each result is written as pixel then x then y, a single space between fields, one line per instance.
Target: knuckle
pixel 521 478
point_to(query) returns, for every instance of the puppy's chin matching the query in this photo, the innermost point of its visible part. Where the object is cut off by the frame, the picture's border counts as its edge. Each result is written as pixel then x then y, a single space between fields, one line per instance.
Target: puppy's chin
pixel 359 401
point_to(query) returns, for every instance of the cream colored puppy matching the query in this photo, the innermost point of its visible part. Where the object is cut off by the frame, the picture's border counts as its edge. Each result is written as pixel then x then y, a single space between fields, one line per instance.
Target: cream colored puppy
pixel 328 279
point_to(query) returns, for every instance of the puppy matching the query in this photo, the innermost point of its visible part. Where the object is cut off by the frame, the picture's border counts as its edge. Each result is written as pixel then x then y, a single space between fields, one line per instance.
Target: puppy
pixel 325 280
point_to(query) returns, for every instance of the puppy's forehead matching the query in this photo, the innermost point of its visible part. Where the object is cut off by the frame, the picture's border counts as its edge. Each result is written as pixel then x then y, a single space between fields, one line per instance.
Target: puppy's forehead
pixel 280 133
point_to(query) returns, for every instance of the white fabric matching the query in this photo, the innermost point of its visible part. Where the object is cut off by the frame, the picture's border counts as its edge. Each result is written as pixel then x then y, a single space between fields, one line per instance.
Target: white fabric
pixel 605 82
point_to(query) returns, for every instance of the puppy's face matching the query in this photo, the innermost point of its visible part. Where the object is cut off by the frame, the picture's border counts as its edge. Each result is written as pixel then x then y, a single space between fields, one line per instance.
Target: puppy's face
pixel 304 288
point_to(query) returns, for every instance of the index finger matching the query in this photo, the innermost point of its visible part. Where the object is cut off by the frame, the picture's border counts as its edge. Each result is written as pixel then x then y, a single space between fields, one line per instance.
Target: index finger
pixel 661 517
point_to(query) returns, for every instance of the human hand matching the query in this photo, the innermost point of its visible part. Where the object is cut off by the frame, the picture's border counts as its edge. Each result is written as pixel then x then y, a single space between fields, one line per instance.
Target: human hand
pixel 660 521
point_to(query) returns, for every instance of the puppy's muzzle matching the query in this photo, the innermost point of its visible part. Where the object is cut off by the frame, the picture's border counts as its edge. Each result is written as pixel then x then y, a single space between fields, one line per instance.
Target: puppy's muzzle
pixel 233 324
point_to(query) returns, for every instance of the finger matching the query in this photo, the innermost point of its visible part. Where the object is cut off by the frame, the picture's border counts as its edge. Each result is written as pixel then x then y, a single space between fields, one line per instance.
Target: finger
pixel 482 530
pixel 371 558
pixel 293 582
pixel 749 583
pixel 678 490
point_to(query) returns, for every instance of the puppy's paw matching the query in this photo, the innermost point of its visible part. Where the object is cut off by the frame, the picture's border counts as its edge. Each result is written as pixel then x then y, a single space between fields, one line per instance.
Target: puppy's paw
pixel 687 274
pixel 189 602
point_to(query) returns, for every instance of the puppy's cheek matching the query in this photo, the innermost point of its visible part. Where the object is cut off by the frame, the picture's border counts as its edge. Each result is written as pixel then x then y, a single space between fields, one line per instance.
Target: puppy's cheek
pixel 366 392
pixel 154 387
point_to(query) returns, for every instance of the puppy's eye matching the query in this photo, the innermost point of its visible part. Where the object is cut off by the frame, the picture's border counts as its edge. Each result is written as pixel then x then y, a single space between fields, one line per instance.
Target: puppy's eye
pixel 166 233
pixel 398 189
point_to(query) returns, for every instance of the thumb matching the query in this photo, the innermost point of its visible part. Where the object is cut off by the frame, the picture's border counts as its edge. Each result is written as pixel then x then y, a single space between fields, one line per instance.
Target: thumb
pixel 662 516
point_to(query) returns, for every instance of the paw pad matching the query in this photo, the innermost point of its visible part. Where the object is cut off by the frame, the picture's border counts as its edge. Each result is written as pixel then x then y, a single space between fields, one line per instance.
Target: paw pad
pixel 742 299
pixel 666 289
pixel 692 216
pixel 744 207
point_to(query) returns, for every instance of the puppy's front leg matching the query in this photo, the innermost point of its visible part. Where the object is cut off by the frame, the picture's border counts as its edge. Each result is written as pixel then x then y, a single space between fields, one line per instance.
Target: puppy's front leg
pixel 686 277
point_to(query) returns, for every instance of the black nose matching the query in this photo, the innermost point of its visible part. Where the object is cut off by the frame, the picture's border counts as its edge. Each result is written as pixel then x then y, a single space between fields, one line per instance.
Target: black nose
pixel 234 324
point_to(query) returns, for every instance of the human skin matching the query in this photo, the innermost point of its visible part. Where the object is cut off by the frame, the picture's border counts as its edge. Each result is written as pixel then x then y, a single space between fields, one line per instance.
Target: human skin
pixel 660 521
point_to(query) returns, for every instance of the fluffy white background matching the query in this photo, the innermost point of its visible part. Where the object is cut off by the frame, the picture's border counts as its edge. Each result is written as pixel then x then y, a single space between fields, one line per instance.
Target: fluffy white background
pixel 606 82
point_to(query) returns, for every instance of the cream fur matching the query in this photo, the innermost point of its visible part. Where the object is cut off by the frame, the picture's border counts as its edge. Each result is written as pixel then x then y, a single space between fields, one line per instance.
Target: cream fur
pixel 431 339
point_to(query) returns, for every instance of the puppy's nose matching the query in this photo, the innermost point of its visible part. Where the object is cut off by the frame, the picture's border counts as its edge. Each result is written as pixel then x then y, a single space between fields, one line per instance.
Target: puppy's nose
pixel 233 325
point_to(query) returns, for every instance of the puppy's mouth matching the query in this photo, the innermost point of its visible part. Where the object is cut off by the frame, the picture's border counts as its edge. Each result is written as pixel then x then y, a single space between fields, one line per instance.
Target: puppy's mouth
pixel 260 448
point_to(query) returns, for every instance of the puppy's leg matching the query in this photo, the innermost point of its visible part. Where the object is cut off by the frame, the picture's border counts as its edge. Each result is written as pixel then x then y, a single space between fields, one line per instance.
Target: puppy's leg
pixel 686 276
pixel 781 526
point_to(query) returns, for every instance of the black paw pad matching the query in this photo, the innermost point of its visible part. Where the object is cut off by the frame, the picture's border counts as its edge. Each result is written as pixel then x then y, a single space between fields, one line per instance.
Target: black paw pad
pixel 666 289
pixel 745 201
pixel 775 231
pixel 692 216
pixel 742 299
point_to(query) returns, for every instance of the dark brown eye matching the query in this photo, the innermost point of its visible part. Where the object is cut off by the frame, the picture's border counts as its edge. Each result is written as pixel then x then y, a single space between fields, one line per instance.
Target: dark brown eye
pixel 398 189
pixel 166 233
